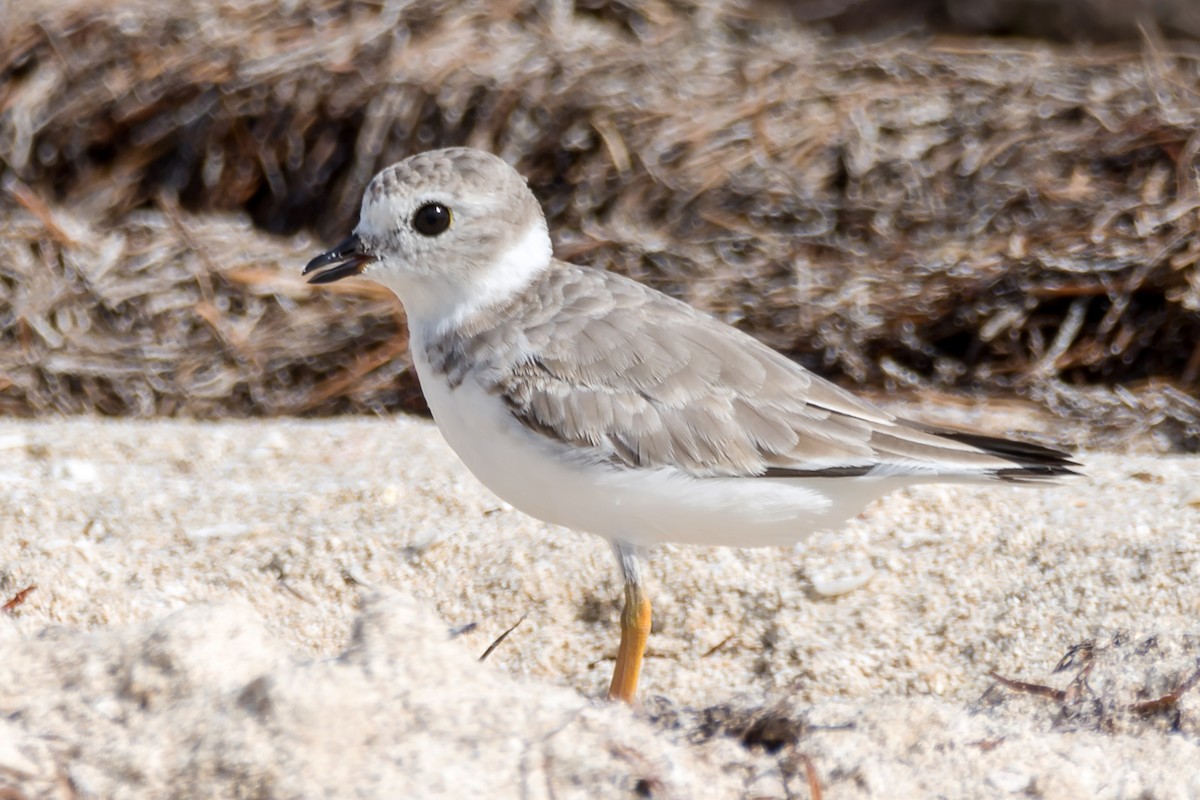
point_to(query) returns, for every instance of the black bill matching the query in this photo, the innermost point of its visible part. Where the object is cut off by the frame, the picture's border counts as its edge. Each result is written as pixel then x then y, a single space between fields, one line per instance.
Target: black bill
pixel 342 261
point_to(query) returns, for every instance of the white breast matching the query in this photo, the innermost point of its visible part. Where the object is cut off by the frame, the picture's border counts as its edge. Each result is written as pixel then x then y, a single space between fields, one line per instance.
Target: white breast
pixel 550 481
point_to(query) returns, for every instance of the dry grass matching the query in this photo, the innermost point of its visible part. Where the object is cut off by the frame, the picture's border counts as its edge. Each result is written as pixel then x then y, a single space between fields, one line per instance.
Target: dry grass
pixel 1126 683
pixel 166 313
pixel 1011 217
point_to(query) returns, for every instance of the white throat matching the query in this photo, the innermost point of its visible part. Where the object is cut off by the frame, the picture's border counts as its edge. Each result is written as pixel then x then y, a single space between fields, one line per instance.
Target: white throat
pixel 435 304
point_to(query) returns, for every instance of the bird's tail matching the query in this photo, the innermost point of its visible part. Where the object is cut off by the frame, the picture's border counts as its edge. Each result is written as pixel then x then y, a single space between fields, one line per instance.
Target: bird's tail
pixel 1031 463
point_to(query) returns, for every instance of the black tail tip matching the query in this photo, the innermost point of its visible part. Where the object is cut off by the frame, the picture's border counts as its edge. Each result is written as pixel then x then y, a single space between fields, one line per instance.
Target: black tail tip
pixel 1032 463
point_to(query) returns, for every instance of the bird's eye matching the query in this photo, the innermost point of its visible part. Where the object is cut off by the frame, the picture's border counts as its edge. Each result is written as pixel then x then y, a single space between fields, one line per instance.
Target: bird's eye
pixel 431 219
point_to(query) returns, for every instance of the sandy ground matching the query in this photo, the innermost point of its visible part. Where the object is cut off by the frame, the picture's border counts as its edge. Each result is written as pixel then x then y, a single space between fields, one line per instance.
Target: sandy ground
pixel 264 609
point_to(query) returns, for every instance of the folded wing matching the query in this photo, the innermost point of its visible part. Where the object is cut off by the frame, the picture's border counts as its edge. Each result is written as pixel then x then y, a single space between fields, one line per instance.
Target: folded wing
pixel 701 397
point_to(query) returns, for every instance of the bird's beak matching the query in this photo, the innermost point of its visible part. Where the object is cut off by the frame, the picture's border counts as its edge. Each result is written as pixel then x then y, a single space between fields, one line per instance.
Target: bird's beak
pixel 348 258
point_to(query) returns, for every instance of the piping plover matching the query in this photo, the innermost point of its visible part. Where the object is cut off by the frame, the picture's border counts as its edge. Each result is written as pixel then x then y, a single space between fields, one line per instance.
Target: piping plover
pixel 588 400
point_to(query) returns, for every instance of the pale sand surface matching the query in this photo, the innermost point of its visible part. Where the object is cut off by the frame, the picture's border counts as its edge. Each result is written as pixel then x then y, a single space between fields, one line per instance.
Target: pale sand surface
pixel 267 536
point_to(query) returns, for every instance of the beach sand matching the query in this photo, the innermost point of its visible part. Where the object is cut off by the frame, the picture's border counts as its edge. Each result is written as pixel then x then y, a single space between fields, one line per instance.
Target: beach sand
pixel 297 609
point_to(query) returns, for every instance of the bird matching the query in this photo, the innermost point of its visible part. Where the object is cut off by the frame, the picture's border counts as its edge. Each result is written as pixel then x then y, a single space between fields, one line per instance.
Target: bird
pixel 586 399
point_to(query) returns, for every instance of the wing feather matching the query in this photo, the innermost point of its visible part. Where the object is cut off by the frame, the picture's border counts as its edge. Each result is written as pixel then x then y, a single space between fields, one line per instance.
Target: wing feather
pixel 693 393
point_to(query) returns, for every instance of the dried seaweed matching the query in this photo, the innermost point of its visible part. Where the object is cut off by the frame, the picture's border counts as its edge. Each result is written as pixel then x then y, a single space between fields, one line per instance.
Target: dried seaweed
pixel 169 314
pixel 1063 20
pixel 1000 216
pixel 1128 683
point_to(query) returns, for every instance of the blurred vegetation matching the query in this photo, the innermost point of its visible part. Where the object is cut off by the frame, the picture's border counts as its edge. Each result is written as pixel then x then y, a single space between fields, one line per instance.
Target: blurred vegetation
pixel 856 183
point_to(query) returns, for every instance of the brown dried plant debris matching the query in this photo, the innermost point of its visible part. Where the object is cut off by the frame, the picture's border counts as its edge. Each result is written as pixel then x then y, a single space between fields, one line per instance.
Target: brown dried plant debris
pixel 164 315
pixel 17 599
pixel 769 728
pixel 1125 683
pixel 1065 20
pixel 771 735
pixel 971 215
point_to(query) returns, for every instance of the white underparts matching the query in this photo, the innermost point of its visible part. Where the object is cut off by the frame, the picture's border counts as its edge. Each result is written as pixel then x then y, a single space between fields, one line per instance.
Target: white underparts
pixel 541 478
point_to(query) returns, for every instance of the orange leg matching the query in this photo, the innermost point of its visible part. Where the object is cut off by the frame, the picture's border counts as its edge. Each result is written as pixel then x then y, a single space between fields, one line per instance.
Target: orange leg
pixel 635 630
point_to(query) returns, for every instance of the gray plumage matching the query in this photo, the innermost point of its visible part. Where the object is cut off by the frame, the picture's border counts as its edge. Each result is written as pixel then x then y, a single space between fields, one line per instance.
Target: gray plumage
pixel 692 393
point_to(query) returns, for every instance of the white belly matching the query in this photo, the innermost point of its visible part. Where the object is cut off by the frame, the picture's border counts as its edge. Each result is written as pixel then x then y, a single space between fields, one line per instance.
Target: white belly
pixel 543 479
